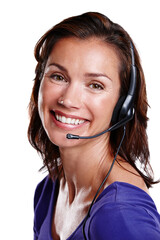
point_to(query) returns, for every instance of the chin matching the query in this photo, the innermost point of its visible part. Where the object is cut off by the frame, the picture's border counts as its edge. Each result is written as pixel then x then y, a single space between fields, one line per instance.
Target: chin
pixel 60 140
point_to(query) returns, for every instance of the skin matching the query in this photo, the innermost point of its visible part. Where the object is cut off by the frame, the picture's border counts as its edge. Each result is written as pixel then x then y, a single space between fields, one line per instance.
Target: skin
pixel 85 75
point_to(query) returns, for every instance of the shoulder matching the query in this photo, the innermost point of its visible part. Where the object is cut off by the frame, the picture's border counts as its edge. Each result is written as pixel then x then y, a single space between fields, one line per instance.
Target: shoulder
pixel 42 199
pixel 122 222
pixel 43 190
pixel 118 217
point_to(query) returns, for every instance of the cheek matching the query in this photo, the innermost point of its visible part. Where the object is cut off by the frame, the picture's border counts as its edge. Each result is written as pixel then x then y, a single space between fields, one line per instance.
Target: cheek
pixel 103 108
pixel 47 99
pixel 40 102
pixel 43 101
pixel 45 96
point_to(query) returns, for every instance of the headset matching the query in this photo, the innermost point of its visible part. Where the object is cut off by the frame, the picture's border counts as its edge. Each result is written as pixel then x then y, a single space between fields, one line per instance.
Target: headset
pixel 124 109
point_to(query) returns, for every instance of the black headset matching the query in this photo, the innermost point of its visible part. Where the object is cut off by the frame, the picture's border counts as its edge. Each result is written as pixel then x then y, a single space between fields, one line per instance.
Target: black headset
pixel 124 109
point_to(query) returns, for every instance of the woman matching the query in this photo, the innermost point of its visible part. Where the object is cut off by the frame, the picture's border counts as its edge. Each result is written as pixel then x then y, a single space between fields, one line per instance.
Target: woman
pixel 84 78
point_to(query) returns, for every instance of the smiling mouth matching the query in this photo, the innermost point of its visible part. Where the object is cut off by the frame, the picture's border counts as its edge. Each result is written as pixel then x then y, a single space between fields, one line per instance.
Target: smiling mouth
pixel 65 120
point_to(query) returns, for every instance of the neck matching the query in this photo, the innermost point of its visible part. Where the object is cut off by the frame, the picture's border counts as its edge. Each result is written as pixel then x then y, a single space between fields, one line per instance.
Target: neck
pixel 86 166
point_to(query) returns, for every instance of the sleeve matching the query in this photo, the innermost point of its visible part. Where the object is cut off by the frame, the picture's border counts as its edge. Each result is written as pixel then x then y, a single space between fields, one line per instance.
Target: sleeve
pixel 123 223
pixel 41 203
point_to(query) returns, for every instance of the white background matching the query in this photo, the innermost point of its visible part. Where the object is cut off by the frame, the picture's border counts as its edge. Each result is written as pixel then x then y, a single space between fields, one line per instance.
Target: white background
pixel 22 24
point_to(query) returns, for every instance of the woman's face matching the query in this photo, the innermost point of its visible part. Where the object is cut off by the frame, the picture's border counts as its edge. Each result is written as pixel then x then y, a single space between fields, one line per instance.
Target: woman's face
pixel 84 74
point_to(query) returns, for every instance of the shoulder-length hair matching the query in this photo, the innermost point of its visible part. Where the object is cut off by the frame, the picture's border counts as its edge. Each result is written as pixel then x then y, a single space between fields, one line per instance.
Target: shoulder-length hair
pixel 135 145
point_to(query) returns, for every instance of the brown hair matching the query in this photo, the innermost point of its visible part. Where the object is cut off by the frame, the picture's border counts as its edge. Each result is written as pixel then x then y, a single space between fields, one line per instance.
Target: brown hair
pixel 135 145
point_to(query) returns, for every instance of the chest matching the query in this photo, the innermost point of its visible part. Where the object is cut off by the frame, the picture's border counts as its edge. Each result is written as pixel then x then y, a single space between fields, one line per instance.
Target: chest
pixel 66 219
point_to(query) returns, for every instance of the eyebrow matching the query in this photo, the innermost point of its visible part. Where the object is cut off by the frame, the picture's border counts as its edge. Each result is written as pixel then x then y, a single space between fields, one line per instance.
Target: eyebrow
pixel 86 74
pixel 58 66
pixel 97 75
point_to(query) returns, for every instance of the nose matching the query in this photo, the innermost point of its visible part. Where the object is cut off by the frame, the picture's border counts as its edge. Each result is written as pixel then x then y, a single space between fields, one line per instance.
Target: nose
pixel 72 96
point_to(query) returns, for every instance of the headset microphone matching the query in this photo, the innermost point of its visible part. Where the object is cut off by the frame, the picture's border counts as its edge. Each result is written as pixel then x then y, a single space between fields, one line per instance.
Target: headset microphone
pixel 122 122
pixel 124 109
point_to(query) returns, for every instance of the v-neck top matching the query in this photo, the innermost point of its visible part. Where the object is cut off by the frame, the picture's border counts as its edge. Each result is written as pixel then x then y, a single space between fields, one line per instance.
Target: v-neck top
pixel 121 212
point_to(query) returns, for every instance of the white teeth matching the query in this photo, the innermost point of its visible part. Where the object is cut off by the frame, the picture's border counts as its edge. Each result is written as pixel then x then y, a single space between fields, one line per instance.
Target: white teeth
pixel 73 121
pixel 81 121
pixel 63 119
pixel 77 121
pixel 68 120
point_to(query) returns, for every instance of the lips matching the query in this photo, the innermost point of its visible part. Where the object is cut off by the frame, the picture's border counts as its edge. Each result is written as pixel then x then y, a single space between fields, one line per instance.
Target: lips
pixel 67 119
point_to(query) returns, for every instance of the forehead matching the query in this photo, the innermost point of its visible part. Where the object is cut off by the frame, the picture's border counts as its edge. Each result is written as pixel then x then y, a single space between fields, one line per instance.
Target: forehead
pixel 90 45
pixel 89 54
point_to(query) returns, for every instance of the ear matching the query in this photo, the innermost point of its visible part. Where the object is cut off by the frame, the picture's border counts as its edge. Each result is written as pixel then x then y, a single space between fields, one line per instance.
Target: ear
pixel 117 110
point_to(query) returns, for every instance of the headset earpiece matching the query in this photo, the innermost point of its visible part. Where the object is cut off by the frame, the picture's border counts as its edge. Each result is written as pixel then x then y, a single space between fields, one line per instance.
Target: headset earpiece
pixel 117 109
pixel 124 108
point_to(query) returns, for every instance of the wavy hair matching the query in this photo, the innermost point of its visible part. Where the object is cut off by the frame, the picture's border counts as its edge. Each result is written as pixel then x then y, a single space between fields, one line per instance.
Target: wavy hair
pixel 135 145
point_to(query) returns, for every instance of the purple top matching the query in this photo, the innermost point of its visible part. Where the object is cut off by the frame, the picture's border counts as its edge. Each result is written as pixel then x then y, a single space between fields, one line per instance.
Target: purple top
pixel 121 212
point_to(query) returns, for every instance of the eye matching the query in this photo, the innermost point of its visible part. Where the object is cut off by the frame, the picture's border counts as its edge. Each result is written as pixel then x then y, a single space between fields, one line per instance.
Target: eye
pixel 57 77
pixel 96 86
